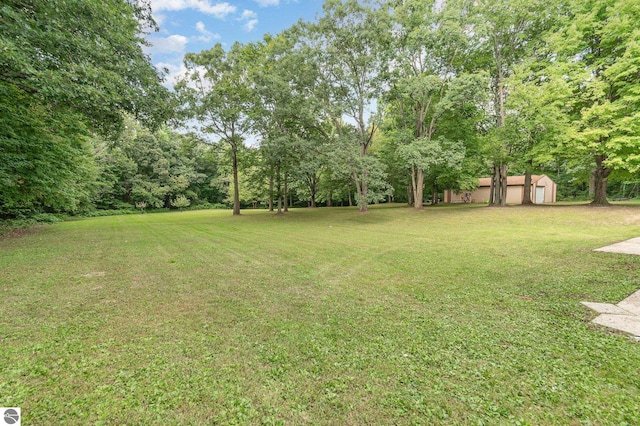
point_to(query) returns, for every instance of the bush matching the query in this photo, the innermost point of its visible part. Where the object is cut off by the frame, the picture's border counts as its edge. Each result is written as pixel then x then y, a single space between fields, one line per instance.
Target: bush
pixel 209 206
pixel 180 202
pixel 47 218
pixel 9 225
pixel 100 213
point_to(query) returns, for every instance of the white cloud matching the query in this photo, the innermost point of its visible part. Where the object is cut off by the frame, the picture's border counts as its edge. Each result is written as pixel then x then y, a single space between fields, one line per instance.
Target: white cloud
pixel 250 25
pixel 248 14
pixel 250 19
pixel 175 43
pixel 219 10
pixel 265 3
pixel 205 35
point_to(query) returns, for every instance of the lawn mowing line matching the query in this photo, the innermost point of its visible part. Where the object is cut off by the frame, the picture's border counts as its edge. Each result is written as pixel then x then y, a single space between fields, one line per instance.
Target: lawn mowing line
pixel 385 356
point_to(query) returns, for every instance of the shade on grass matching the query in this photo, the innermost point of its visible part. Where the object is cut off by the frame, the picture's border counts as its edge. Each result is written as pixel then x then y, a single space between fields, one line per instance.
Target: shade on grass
pixel 459 314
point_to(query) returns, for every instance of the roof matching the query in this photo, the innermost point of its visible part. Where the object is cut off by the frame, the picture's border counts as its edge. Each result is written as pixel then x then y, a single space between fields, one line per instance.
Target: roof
pixel 512 180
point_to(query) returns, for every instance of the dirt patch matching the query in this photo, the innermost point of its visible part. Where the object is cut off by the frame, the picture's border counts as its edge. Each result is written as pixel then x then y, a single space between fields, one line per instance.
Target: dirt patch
pixel 19 232
pixel 632 220
pixel 527 298
pixel 94 274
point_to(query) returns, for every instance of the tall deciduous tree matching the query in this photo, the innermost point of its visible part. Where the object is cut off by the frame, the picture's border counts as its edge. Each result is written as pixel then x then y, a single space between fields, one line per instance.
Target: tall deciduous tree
pixel 216 93
pixel 348 42
pixel 282 110
pixel 67 69
pixel 538 120
pixel 599 56
pixel 429 84
pixel 508 30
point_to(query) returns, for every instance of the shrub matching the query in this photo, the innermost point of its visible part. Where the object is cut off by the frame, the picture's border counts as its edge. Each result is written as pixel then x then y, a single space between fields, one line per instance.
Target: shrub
pixel 180 202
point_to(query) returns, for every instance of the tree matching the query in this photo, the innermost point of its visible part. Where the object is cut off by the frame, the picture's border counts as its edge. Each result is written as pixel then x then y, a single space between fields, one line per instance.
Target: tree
pixel 429 85
pixel 313 161
pixel 281 109
pixel 46 161
pixel 508 31
pixel 84 57
pixel 387 151
pixel 216 92
pixel 598 54
pixel 144 166
pixel 277 153
pixel 431 155
pixel 68 69
pixel 348 42
pixel 538 118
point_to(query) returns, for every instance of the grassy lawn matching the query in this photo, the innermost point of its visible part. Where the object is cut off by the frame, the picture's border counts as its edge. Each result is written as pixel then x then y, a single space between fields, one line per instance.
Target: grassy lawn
pixel 453 315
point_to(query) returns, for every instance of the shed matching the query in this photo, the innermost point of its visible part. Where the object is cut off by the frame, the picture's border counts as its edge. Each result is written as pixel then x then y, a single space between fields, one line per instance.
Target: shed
pixel 543 190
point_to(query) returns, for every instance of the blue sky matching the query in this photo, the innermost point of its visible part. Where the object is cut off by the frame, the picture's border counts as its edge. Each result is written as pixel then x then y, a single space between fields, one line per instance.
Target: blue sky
pixel 195 25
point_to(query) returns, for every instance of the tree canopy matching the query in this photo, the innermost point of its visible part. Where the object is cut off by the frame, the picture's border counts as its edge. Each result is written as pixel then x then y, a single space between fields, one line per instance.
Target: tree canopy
pixel 371 100
pixel 68 70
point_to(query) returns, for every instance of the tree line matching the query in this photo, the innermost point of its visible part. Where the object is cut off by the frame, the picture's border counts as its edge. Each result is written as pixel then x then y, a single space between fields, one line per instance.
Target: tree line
pixel 372 101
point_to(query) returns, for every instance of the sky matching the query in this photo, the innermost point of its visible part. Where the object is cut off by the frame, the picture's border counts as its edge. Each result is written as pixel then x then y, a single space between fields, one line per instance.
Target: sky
pixel 196 25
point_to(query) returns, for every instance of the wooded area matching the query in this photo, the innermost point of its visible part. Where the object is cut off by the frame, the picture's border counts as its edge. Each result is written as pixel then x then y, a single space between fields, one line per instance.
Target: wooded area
pixel 374 101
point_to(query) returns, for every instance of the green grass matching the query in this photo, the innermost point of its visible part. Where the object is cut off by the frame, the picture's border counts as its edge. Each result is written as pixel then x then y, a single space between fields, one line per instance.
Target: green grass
pixel 452 315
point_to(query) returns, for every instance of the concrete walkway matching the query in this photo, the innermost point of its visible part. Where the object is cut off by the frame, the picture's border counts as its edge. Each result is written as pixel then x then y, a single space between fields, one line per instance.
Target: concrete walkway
pixel 631 246
pixel 624 316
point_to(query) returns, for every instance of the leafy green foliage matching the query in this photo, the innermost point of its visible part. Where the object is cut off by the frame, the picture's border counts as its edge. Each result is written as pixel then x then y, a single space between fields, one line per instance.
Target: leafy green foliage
pixel 152 169
pixel 598 55
pixel 67 69
pixel 180 202
pixel 85 56
pixel 508 33
pixel 216 93
pixel 531 85
pixel 347 43
pixel 430 154
pixel 430 90
pixel 45 160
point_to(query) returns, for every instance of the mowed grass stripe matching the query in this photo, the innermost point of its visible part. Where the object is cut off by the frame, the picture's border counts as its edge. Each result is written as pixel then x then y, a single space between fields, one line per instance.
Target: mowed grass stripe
pixel 457 314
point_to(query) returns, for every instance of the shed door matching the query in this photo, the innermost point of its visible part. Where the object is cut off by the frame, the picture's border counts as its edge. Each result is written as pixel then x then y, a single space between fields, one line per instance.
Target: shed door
pixel 539 194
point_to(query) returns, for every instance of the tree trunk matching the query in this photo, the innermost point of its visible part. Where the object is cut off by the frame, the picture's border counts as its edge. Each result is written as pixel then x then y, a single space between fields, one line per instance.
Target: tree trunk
pixel 410 195
pixel 356 181
pixel 279 187
pixel 413 186
pixel 498 191
pixel 498 195
pixel 600 175
pixel 434 196
pixel 286 192
pixel 313 199
pixel 271 192
pixel 330 199
pixel 419 189
pixel 236 189
pixel 526 196
pixel 350 200
pixel 363 194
